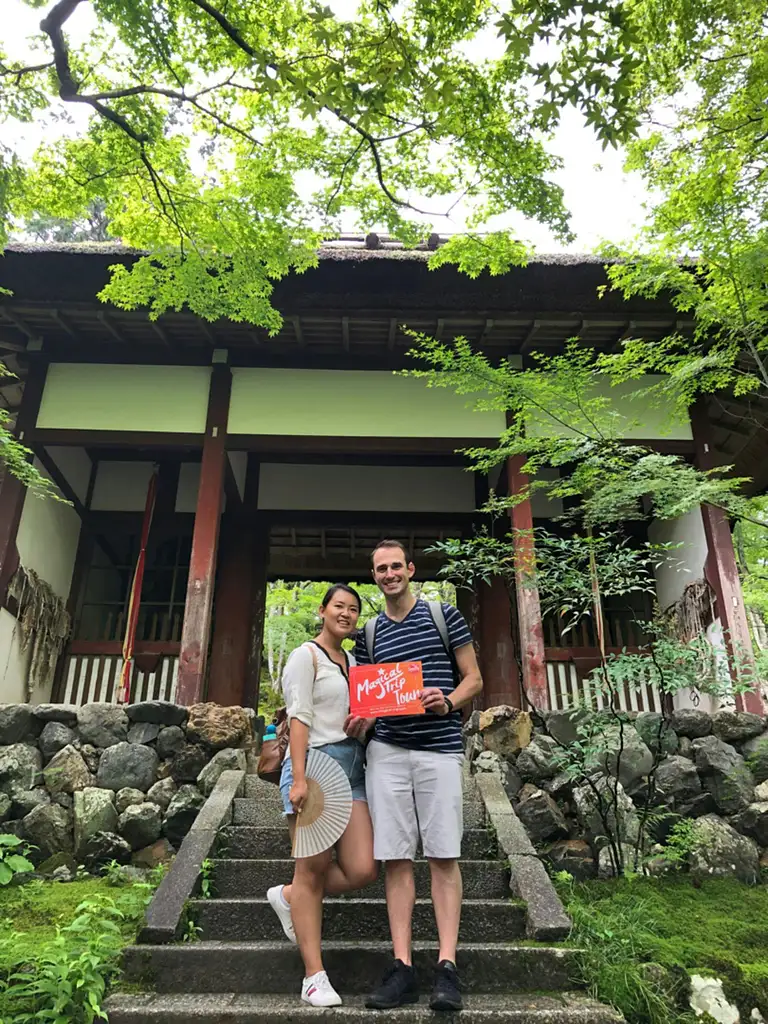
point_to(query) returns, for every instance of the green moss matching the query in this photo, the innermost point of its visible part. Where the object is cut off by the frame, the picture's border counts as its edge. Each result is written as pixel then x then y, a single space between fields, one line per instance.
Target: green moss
pixel 719 928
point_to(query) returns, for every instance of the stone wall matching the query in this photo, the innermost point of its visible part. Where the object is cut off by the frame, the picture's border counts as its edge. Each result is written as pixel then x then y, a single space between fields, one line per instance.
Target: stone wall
pixel 646 772
pixel 97 783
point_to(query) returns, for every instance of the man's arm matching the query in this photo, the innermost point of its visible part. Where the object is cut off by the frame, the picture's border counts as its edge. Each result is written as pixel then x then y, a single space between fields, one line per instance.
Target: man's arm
pixel 470 683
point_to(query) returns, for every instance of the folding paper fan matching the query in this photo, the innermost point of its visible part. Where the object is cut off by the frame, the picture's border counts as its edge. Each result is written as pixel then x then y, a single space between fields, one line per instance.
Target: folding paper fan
pixel 328 807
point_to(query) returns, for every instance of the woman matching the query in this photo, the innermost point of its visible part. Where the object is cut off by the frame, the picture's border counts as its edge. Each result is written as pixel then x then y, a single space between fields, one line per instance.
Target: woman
pixel 316 689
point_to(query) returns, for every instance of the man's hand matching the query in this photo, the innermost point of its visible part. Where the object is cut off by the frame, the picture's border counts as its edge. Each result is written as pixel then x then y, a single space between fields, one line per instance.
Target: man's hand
pixel 433 700
pixel 358 728
pixel 298 794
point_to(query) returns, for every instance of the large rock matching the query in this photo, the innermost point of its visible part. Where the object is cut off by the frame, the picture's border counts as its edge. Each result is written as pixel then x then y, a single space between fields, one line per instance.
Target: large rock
pixel 736 726
pixel 127 764
pixel 94 812
pixel 540 814
pixel 563 726
pixel 718 851
pixel 158 853
pixel 102 725
pixel 188 763
pixel 18 723
pixel 725 774
pixel 54 737
pixel 604 810
pixel 691 722
pixel 224 760
pixel 170 741
pixel 677 781
pixel 218 727
pixel 140 825
pixel 162 793
pixel 5 806
pixel 127 796
pixel 626 755
pixel 615 860
pixel 102 848
pixel 25 800
pixel 143 732
pixel 181 813
pixel 505 730
pixel 540 759
pixel 49 828
pixel 755 752
pixel 761 793
pixel 157 712
pixel 753 822
pixel 20 766
pixel 573 856
pixel 66 713
pixel 91 756
pixel 67 772
pixel 487 761
pixel 657 733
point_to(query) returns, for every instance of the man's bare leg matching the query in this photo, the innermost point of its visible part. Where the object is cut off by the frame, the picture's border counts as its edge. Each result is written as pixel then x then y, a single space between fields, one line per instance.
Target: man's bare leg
pixel 447 892
pixel 401 896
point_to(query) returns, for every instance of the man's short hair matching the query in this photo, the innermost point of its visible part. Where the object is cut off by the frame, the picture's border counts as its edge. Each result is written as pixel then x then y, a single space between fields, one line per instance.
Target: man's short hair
pixel 388 542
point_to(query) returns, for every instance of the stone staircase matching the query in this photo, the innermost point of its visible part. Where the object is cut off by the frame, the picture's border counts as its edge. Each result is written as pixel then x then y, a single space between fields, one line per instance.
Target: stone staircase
pixel 243 971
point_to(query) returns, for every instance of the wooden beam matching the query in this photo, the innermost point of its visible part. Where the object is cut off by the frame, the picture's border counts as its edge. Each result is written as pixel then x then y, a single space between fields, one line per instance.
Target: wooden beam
pixel 392 333
pixel 161 333
pixel 498 662
pixel 530 336
pixel 195 634
pixel 12 491
pixel 534 682
pixel 65 325
pixel 106 322
pixel 723 574
pixel 298 331
pixel 345 332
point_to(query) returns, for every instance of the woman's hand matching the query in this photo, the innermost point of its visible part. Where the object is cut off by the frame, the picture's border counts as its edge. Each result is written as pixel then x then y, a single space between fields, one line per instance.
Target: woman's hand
pixel 358 728
pixel 298 794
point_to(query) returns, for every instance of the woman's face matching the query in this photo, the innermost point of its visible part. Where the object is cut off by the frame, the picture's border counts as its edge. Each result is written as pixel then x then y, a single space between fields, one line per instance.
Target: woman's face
pixel 340 615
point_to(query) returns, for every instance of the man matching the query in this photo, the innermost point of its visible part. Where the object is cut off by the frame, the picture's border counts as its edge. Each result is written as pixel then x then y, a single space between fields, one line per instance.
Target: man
pixel 414 772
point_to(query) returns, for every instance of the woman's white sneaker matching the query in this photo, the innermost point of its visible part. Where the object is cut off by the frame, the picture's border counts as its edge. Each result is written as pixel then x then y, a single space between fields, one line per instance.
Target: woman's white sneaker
pixel 318 991
pixel 282 908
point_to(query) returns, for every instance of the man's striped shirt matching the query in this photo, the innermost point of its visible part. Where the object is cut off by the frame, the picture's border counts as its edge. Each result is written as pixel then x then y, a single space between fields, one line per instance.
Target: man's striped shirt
pixel 417 638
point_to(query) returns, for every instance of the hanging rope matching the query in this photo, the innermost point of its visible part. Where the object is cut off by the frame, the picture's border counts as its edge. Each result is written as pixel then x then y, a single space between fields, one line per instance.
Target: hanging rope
pixel 44 623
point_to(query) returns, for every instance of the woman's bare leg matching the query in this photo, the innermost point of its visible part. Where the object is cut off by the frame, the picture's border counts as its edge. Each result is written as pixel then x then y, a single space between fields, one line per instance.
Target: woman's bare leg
pixel 307 908
pixel 354 867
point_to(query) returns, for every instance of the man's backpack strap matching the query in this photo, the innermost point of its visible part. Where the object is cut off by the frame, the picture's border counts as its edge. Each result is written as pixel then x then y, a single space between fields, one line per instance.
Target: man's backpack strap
pixel 438 617
pixel 369 633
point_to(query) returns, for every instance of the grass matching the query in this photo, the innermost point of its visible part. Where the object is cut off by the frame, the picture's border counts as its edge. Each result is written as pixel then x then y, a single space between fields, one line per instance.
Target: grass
pixel 627 925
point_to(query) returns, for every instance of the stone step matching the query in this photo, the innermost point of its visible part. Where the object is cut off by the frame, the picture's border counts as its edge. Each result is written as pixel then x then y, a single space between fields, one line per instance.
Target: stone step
pixel 236 879
pixel 248 920
pixel 483 1008
pixel 256 788
pixel 249 841
pixel 354 968
pixel 267 810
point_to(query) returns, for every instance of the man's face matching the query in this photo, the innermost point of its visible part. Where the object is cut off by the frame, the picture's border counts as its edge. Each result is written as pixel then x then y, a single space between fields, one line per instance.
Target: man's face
pixel 391 573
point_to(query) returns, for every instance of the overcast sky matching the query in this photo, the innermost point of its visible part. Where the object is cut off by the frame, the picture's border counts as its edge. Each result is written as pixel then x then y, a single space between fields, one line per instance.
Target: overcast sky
pixel 605 201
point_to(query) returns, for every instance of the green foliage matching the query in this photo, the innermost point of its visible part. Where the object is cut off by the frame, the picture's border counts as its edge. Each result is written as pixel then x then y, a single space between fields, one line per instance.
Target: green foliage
pixel 681 842
pixel 13 858
pixel 61 950
pixel 206 879
pixel 639 936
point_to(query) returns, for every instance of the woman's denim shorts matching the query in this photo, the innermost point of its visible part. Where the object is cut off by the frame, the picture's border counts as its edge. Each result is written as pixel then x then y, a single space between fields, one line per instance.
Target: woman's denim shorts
pixel 350 754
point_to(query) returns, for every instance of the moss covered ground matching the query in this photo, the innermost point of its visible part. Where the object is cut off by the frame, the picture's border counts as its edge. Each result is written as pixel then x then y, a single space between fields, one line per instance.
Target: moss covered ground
pixel 718 928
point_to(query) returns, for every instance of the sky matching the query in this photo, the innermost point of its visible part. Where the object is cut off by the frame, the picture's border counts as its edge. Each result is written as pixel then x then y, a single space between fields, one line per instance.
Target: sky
pixel 604 200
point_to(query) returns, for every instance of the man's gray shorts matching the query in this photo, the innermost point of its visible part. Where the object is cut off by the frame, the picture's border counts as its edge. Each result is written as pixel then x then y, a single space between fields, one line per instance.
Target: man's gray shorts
pixel 412 792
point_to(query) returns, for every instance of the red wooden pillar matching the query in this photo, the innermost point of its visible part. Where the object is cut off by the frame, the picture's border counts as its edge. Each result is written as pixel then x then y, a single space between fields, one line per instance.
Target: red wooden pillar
pixel 498 664
pixel 195 633
pixel 535 690
pixel 240 599
pixel 12 491
pixel 722 570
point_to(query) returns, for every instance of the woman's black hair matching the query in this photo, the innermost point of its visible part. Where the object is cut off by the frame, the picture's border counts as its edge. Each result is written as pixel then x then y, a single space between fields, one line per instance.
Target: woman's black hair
pixel 347 590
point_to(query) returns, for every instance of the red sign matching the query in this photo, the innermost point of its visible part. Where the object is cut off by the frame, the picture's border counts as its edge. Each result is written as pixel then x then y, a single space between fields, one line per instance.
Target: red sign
pixel 392 688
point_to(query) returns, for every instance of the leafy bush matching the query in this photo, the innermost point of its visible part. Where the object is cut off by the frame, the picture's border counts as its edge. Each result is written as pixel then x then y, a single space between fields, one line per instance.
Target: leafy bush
pixel 13 859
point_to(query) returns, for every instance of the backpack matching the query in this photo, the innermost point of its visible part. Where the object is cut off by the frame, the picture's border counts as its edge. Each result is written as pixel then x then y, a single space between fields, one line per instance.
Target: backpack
pixel 438 617
pixel 273 751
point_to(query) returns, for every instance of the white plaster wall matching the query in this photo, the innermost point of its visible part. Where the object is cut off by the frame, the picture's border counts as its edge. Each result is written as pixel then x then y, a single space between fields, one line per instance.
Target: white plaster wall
pixel 121 486
pixel 366 488
pixel 189 483
pixel 687 560
pixel 47 541
pixel 239 463
pixel 75 464
pixel 671 580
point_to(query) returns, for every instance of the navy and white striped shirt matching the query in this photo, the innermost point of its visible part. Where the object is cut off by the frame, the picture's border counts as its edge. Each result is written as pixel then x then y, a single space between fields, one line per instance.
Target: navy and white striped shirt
pixel 417 638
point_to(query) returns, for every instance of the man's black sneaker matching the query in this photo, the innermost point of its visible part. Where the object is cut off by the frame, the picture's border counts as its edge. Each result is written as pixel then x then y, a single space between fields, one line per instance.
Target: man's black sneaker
pixel 446 994
pixel 398 987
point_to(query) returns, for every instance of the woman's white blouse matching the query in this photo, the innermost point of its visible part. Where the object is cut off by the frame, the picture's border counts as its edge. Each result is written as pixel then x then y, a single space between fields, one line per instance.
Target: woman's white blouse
pixel 320 701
